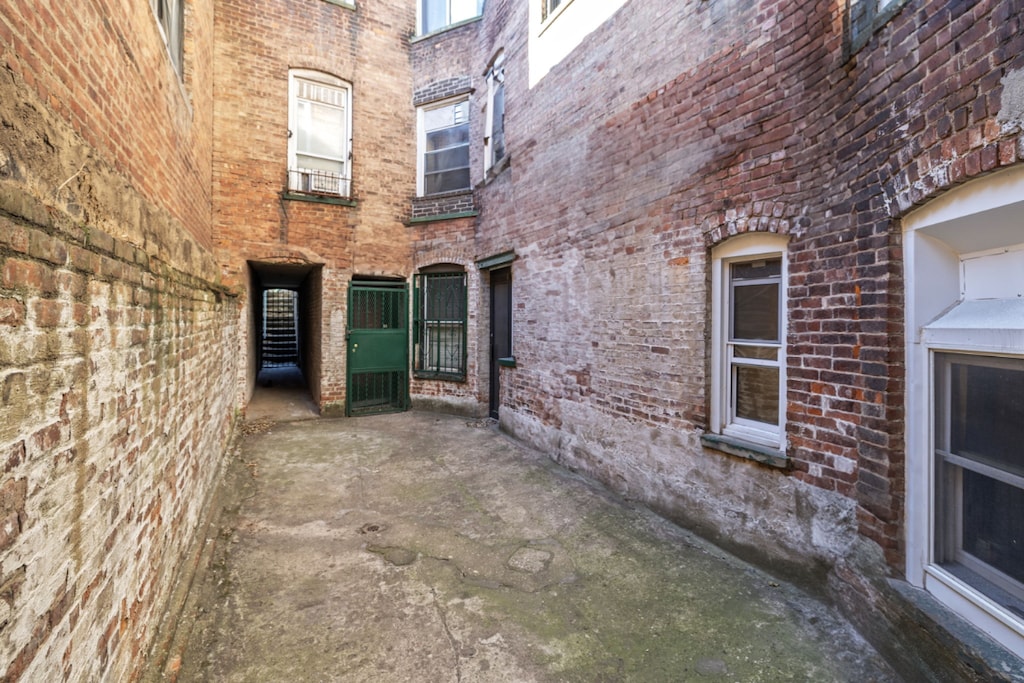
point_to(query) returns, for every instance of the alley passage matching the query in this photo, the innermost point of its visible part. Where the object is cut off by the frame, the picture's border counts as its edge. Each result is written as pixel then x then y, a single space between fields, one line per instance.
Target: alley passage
pixel 419 547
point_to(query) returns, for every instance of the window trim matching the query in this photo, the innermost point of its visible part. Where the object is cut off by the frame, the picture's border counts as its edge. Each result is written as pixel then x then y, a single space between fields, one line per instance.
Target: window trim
pixel 295 76
pixel 421 144
pixel 495 76
pixel 449 23
pixel 740 249
pixel 421 324
pixel 172 29
pixel 947 311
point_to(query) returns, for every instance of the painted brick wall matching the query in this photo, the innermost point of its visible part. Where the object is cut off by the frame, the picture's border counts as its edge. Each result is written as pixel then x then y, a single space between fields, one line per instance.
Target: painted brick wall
pixel 117 358
pixel 257 43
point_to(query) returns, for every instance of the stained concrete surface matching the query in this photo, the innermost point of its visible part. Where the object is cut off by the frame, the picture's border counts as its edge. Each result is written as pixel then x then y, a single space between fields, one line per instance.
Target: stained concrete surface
pixel 422 547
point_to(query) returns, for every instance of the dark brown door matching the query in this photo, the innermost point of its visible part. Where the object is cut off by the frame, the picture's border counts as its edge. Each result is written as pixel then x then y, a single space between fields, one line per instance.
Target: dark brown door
pixel 501 330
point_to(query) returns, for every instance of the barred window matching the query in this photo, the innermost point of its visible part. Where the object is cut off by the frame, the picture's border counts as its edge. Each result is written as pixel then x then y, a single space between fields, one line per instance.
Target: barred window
pixel 440 320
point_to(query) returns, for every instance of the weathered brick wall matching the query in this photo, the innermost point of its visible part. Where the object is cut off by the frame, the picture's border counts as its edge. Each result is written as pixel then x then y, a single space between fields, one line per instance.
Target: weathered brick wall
pixel 257 43
pixel 117 345
pixel 628 166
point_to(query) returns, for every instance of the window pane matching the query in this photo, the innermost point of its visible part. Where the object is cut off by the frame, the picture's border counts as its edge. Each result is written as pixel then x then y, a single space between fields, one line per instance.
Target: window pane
pixel 987 414
pixel 448 137
pixel 435 15
pixel 447 181
pixel 756 312
pixel 757 394
pixel 993 523
pixel 757 270
pixel 498 124
pixel 446 159
pixel 759 352
pixel 321 130
pixel 464 9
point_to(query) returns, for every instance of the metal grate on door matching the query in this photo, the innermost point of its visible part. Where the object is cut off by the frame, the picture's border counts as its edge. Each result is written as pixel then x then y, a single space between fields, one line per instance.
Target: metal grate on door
pixel 378 378
pixel 280 329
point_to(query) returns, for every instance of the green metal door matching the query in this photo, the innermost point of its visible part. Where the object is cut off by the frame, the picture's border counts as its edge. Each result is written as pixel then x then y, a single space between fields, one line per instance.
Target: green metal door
pixel 377 379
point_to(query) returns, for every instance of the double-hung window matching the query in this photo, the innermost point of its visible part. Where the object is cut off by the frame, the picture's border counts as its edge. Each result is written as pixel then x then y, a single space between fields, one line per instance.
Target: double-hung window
pixel 963 259
pixel 979 476
pixel 443 143
pixel 319 134
pixel 170 14
pixel 748 324
pixel 494 128
pixel 436 14
pixel 440 320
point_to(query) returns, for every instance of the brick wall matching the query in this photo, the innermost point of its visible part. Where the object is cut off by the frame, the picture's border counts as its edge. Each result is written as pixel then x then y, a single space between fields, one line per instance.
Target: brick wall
pixel 117 358
pixel 257 43
pixel 628 166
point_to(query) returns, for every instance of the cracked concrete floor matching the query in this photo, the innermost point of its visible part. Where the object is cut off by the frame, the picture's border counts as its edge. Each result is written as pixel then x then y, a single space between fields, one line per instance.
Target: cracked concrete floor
pixel 422 547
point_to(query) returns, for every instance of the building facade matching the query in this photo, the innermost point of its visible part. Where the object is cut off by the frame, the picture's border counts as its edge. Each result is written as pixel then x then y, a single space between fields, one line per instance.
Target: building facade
pixel 756 264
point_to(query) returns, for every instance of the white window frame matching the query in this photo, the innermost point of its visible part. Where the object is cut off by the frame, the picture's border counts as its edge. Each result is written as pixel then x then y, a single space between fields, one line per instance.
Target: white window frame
pixel 451 17
pixel 495 81
pixel 301 180
pixel 421 141
pixel 170 17
pixel 743 249
pixel 959 253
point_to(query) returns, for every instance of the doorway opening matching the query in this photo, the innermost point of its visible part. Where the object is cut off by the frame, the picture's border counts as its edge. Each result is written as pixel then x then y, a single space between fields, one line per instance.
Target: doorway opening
pixel 501 332
pixel 285 330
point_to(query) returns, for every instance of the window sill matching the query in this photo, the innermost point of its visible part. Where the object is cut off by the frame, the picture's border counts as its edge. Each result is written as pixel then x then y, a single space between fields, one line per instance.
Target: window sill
pixel 444 29
pixel 548 20
pixel 317 198
pixel 426 374
pixel 765 455
pixel 509 362
pixel 496 170
pixel 443 217
pixel 342 3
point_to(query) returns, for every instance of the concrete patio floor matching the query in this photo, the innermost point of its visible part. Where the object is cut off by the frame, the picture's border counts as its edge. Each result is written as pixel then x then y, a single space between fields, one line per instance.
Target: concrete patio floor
pixel 425 547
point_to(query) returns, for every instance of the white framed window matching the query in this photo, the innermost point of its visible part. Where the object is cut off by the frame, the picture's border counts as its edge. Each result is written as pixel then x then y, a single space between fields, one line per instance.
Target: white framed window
pixel 170 15
pixel 494 126
pixel 434 15
pixel 319 134
pixel 748 355
pixel 443 147
pixel 964 273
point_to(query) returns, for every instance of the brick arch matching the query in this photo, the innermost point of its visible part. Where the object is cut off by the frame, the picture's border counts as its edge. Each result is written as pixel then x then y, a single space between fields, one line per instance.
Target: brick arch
pixel 443 255
pixel 773 217
pixel 979 151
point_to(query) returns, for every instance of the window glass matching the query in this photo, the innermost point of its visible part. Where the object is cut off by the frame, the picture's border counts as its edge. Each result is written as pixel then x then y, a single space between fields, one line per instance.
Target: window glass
pixel 445 161
pixel 436 14
pixel 757 394
pixel 319 139
pixel 980 473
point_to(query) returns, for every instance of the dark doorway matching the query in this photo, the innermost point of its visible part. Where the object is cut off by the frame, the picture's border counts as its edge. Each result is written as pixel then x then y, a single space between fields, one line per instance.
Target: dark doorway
pixel 280 329
pixel 501 331
pixel 377 378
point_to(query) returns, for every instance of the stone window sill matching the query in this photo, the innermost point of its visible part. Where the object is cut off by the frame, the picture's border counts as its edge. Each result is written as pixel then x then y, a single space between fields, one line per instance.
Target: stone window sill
pixel 443 217
pixel 772 457
pixel 342 3
pixel 318 199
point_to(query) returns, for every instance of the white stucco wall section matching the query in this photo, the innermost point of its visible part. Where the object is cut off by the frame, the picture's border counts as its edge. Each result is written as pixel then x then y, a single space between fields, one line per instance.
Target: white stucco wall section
pixel 964 272
pixel 553 39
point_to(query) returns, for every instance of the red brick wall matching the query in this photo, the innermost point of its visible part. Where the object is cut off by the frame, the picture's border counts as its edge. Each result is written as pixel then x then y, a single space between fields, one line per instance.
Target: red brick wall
pixel 257 43
pixel 629 165
pixel 116 342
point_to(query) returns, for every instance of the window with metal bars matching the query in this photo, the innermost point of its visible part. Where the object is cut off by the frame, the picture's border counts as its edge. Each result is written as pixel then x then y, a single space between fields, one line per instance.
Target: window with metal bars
pixel 440 320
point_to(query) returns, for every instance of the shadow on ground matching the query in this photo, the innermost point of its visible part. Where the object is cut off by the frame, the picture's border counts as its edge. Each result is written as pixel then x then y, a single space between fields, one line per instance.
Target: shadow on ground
pixel 419 547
